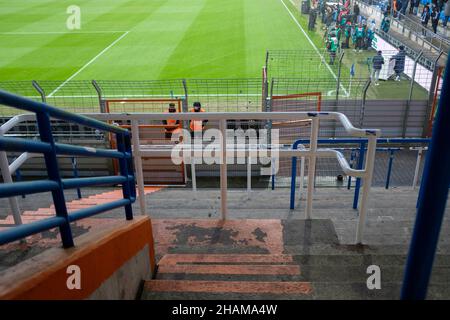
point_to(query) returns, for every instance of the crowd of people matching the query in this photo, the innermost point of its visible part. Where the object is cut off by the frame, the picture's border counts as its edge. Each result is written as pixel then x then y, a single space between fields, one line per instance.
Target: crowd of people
pixel 345 27
pixel 431 11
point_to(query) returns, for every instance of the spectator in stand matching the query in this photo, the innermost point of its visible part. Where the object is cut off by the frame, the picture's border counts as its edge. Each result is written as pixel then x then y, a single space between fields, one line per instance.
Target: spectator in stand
pixel 416 7
pixel 347 34
pixel 370 35
pixel 322 10
pixel 356 13
pixel 377 64
pixel 435 18
pixel 386 23
pixel 332 47
pixel 446 13
pixel 411 6
pixel 358 39
pixel 394 9
pixel 312 19
pixel 424 18
pixel 399 66
pixel 403 6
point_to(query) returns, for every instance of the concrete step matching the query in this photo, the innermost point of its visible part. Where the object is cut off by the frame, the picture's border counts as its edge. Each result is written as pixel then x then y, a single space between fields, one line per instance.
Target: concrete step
pixel 174 259
pixel 174 289
pixel 319 290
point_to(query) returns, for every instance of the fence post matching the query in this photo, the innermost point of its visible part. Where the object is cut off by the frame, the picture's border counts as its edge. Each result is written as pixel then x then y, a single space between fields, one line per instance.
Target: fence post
pixel 362 149
pixel 433 198
pixel 123 168
pixel 417 169
pixel 338 84
pixel 223 167
pixel 249 174
pixel 371 149
pixel 138 165
pixel 408 102
pixel 40 90
pixel 352 160
pixel 431 93
pixel 363 103
pixel 312 164
pixel 101 102
pixel 391 160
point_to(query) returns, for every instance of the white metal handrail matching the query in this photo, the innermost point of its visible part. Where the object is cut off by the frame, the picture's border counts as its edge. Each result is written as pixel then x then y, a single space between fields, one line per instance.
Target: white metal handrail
pixel 312 153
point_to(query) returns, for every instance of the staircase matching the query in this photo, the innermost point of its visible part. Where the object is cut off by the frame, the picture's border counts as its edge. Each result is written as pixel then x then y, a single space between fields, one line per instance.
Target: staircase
pixel 284 277
pixel 266 251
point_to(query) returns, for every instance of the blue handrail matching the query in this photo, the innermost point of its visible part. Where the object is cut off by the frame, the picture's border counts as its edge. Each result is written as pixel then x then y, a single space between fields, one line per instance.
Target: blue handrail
pixel 362 142
pixel 55 184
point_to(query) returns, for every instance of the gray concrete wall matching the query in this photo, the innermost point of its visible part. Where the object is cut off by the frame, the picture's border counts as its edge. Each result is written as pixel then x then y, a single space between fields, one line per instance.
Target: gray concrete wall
pixel 125 283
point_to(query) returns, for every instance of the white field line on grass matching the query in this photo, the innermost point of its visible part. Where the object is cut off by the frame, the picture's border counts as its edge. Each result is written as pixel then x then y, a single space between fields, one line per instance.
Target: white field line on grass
pixel 57 32
pixel 313 45
pixel 88 64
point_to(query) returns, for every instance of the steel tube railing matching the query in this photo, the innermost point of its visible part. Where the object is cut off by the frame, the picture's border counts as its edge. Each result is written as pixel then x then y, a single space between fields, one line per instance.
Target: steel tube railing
pixel 55 184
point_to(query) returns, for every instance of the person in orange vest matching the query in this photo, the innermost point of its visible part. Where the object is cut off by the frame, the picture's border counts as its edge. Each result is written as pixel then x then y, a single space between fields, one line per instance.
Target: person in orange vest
pixel 171 124
pixel 197 125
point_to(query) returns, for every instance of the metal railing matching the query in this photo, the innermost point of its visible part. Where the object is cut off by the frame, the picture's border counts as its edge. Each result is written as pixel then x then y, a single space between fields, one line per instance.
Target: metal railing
pixel 272 150
pixel 55 184
pixel 420 142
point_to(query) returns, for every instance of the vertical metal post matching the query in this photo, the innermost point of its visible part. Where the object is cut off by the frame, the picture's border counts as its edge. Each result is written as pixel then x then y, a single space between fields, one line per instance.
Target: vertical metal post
pixel 124 172
pixel 417 169
pixel 388 177
pixel 249 174
pixel 51 163
pixel 101 102
pixel 75 174
pixel 363 103
pixel 362 150
pixel 302 176
pixel 193 176
pixel 408 102
pixel 223 168
pixel 312 165
pixel 352 159
pixel 272 170
pixel 431 210
pixel 138 165
pixel 431 93
pixel 293 181
pixel 40 90
pixel 338 83
pixel 13 202
pixel 371 149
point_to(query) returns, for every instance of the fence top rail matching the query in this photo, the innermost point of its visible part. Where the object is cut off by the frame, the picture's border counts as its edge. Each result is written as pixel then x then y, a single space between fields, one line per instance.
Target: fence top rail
pixel 382 140
pixel 349 128
pixel 23 103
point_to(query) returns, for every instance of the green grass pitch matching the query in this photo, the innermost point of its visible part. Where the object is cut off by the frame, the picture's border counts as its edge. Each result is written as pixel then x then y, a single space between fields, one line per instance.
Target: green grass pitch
pixel 159 39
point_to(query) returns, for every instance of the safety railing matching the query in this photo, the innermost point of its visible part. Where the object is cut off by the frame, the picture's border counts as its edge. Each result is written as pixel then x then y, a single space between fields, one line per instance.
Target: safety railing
pixel 55 184
pixel 359 172
pixel 272 150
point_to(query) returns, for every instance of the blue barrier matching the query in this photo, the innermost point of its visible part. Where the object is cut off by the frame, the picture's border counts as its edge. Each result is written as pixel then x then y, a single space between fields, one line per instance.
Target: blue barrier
pixel 391 160
pixel 432 201
pixel 362 149
pixel 55 184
